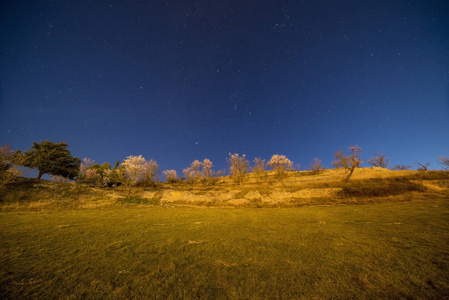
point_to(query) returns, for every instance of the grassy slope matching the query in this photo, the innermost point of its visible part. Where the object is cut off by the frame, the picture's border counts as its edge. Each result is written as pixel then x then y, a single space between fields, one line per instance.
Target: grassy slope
pixel 367 185
pixel 393 250
pixel 67 241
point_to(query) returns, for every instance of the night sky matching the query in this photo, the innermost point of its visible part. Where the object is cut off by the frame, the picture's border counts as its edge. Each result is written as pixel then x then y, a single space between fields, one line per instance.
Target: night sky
pixel 177 81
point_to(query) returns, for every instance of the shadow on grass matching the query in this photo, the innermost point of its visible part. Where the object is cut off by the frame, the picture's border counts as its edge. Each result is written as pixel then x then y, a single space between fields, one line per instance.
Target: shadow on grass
pixel 380 188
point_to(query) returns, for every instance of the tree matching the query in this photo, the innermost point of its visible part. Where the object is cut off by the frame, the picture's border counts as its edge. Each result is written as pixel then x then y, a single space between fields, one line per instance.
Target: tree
pixel 193 172
pixel 96 173
pixel 208 174
pixel 316 166
pixel 10 163
pixel 52 158
pixel 92 173
pixel 131 171
pixel 170 176
pixel 238 167
pixel 350 162
pixel 150 173
pixel 281 165
pixel 259 170
pixel 423 167
pixel 444 161
pixel 379 160
pixel 83 172
pixel 401 168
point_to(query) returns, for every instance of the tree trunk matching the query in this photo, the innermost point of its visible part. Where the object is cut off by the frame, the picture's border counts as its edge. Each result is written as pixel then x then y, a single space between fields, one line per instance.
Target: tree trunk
pixel 39 175
pixel 350 174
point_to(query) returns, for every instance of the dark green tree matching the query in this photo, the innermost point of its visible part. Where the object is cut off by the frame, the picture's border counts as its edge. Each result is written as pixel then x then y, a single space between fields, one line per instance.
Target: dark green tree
pixel 52 158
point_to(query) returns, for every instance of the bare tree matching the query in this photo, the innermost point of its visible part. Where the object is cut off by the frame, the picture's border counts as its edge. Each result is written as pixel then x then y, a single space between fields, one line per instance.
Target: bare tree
pixel 281 165
pixel 350 162
pixel 401 168
pixel 316 166
pixel 423 167
pixel 445 162
pixel 259 170
pixel 238 167
pixel 379 160
pixel 340 160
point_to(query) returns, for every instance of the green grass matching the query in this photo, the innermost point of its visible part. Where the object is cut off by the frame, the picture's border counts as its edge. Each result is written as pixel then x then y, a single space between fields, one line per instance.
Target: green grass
pixel 380 251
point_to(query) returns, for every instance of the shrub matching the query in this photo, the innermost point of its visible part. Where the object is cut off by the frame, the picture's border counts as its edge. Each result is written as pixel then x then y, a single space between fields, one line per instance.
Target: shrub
pixel 401 168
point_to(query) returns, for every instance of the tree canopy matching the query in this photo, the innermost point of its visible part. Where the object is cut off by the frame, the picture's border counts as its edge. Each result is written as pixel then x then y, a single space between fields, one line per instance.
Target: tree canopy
pixel 52 158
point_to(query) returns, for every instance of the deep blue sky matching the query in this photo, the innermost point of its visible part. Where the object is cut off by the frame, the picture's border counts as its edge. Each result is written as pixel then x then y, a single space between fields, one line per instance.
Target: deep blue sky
pixel 182 80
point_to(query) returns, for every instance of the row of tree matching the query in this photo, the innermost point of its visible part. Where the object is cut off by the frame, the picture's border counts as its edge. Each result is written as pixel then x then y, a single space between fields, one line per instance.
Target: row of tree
pixel 56 160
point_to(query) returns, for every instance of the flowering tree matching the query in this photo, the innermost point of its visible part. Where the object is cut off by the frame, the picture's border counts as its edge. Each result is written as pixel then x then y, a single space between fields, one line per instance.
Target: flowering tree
pixel 207 168
pixel 350 162
pixel 238 167
pixel 96 173
pixel 259 169
pixel 170 176
pixel 280 164
pixel 130 172
pixel 193 172
pixel 379 160
pixel 150 173
pixel 208 174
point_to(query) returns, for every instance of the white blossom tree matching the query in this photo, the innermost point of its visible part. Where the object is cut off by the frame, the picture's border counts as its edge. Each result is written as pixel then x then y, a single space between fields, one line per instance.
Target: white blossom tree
pixel 170 176
pixel 281 165
pixel 151 173
pixel 130 172
pixel 193 172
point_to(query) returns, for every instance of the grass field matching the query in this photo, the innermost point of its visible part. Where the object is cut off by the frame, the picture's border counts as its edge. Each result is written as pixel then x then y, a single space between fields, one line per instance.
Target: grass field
pixel 382 251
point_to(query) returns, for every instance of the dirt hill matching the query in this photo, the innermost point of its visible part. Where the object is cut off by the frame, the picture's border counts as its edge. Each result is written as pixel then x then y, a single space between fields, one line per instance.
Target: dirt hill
pixel 367 185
